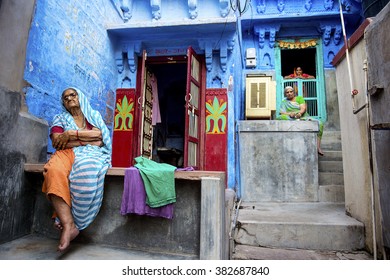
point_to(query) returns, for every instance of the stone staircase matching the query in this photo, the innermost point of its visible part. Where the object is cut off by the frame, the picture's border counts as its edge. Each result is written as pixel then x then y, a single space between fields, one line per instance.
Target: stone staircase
pixel 267 230
pixel 330 169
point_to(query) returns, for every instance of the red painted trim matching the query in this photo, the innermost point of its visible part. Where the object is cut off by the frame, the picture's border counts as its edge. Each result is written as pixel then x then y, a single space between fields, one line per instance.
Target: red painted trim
pixel 352 41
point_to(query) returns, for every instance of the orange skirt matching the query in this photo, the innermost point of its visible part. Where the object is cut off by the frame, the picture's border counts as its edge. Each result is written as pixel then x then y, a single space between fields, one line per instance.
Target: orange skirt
pixel 56 174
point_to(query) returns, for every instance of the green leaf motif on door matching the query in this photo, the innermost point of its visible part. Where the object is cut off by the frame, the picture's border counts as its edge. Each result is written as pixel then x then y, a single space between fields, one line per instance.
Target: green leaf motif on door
pixel 123 115
pixel 215 112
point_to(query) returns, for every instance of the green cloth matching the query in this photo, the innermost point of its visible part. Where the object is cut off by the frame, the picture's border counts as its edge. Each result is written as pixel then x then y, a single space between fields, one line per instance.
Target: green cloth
pixel 159 181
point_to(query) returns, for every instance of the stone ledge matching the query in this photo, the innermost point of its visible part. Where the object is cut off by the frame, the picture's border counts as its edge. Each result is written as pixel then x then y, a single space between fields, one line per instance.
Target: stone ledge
pixel 277 126
pixel 119 171
pixel 199 227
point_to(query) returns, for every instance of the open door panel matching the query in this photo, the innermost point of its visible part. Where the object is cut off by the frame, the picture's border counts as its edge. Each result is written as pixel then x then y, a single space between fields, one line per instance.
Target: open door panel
pixel 192 116
pixel 146 102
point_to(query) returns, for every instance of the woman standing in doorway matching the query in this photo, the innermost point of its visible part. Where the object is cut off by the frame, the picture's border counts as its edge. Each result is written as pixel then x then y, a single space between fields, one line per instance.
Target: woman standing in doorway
pixel 298 74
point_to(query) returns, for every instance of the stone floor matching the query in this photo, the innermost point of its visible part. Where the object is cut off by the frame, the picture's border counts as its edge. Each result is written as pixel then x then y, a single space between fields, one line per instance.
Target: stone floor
pixel 33 247
pixel 245 252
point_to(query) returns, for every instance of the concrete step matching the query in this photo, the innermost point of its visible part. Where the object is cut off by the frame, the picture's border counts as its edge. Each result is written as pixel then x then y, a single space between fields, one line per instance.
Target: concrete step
pixel 331 141
pixel 331 134
pixel 245 252
pixel 330 178
pixel 331 193
pixel 331 156
pixel 330 145
pixel 319 226
pixel 330 166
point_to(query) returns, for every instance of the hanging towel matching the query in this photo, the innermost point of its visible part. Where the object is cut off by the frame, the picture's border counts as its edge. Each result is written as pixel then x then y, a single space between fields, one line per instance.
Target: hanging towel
pixel 156 116
pixel 134 198
pixel 159 181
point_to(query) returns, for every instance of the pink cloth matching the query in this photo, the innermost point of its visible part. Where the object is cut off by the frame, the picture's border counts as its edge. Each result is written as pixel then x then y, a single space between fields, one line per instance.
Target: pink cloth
pixel 156 116
pixel 134 198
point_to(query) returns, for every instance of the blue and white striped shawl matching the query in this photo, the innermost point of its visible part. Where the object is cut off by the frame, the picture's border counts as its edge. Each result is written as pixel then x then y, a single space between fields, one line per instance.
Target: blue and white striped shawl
pixel 66 121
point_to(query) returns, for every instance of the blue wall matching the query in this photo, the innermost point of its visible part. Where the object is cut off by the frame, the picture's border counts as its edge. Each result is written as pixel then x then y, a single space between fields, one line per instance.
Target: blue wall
pixel 68 46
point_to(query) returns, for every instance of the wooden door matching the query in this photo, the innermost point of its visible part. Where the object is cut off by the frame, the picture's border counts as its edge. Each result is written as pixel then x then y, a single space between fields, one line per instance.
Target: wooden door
pixel 146 106
pixel 192 113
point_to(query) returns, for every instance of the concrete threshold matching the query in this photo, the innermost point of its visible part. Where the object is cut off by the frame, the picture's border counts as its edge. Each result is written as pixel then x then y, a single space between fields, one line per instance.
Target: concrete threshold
pixel 35 247
pixel 291 212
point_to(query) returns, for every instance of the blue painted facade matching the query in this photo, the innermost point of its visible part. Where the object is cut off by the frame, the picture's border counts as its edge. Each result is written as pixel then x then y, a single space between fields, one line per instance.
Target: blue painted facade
pixel 96 45
pixel 68 46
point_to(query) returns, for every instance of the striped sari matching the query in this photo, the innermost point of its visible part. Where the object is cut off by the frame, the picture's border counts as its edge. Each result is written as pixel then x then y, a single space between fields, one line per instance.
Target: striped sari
pixel 89 167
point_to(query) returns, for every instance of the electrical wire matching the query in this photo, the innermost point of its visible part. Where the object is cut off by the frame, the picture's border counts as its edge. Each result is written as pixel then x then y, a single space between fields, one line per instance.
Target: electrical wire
pixel 237 6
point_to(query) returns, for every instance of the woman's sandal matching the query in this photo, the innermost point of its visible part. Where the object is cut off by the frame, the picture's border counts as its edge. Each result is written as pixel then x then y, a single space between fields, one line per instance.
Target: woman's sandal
pixel 321 153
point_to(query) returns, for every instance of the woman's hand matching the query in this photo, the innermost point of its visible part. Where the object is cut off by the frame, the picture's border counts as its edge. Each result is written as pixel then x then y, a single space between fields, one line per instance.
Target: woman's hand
pixel 60 140
pixel 295 115
pixel 90 135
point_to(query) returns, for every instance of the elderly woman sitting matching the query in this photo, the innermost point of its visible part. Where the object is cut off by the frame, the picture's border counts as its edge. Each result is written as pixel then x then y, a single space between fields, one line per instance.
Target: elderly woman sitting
pixel 293 107
pixel 74 175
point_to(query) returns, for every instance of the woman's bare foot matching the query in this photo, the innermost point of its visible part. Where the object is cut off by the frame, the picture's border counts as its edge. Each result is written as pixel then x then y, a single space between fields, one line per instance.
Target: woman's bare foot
pixel 320 152
pixel 69 233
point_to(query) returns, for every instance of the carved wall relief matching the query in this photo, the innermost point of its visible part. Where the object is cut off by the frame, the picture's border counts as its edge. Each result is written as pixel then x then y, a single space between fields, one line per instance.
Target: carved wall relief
pixel 337 35
pixel 155 5
pixel 193 8
pixel 281 5
pixel 260 7
pixel 308 5
pixel 224 7
pixel 127 9
pixel 328 4
pixel 327 34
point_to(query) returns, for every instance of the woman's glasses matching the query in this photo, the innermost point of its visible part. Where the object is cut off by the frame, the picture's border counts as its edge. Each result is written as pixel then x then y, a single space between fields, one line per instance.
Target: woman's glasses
pixel 69 96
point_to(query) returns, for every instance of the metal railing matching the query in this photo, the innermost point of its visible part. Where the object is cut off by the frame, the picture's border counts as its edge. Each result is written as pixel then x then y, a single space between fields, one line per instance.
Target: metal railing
pixel 308 89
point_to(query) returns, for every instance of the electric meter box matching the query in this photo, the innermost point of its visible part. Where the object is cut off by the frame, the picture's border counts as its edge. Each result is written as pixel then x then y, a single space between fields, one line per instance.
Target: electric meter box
pixel 251 57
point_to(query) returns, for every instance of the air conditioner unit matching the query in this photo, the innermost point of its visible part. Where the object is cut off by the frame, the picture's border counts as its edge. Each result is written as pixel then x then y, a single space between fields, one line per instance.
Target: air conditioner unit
pixel 260 97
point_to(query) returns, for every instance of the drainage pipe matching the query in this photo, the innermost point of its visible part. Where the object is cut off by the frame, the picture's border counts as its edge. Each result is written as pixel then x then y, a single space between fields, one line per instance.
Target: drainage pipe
pixel 365 68
pixel 234 221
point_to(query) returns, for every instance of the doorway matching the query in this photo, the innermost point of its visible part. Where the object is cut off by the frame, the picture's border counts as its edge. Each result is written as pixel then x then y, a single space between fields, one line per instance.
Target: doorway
pixel 310 59
pixel 174 87
pixel 168 132
pixel 304 58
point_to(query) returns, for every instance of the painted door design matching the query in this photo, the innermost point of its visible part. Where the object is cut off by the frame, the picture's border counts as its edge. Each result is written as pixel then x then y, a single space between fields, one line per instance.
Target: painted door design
pixel 123 134
pixel 192 116
pixel 216 129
